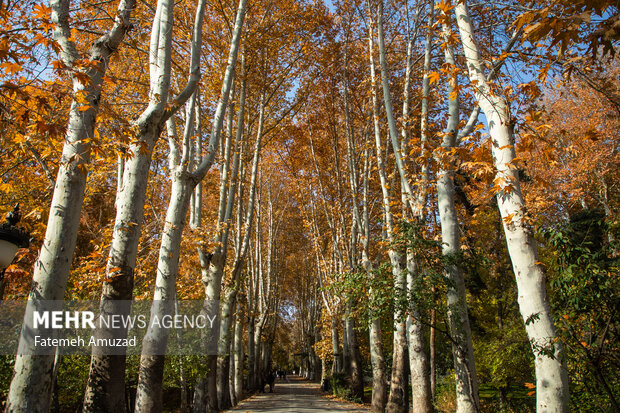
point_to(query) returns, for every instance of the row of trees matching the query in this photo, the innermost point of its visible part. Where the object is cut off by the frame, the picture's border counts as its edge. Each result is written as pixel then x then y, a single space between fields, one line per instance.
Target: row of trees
pixel 407 184
pixel 115 122
pixel 380 174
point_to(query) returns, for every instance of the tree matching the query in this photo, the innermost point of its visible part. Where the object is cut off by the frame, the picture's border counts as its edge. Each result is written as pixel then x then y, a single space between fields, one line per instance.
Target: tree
pixel 106 386
pixel 52 268
pixel 551 378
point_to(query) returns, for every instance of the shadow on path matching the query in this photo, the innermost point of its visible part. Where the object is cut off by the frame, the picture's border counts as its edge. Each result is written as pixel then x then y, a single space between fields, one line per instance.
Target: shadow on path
pixel 296 395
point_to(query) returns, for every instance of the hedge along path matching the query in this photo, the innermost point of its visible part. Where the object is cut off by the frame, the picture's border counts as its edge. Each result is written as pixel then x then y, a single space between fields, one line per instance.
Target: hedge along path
pixel 295 395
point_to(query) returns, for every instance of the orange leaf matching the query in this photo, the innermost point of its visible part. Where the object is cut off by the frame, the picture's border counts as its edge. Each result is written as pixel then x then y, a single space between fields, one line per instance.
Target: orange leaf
pixel 41 11
pixel 11 67
pixel 433 77
pixel 508 218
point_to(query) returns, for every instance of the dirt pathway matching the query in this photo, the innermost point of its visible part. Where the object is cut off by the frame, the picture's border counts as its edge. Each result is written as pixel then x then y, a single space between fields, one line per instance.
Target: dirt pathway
pixel 296 395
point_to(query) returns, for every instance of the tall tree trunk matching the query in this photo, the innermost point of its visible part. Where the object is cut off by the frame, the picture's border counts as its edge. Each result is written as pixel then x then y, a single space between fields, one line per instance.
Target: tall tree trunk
pixel 229 301
pixel 148 397
pixel 418 356
pixel 398 385
pixel 106 382
pixel 232 366
pixel 458 318
pixel 379 386
pixel 551 375
pixel 346 349
pixel 150 380
pixel 32 373
pixel 357 375
pixel 377 358
pixel 336 366
pixel 238 356
pixel 252 379
pixel 227 192
pixel 432 347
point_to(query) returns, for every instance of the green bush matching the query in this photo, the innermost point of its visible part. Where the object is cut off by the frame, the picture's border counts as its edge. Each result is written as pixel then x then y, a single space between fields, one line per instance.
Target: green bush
pixel 340 385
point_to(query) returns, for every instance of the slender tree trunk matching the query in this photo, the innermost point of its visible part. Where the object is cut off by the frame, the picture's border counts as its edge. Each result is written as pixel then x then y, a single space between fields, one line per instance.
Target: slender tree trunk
pixel 357 375
pixel 346 349
pixel 223 372
pixel 432 348
pixel 106 382
pixel 232 367
pixel 398 385
pixel 458 319
pixel 226 305
pixel 150 380
pixel 551 375
pixel 149 390
pixel 377 358
pixel 238 355
pixel 336 367
pixel 379 388
pixel 258 354
pixel 184 408
pixel 252 379
pixel 379 385
pixel 32 374
pixel 418 356
pixel 229 302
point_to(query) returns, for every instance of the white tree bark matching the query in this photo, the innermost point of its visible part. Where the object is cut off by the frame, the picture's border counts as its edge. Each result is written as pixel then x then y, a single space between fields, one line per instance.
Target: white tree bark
pixel 379 389
pixel 30 389
pixel 238 355
pixel 551 376
pixel 149 391
pixel 458 319
pixel 148 395
pixel 108 372
pixel 389 111
pixel 227 199
pixel 105 390
pixel 421 395
pixel 398 386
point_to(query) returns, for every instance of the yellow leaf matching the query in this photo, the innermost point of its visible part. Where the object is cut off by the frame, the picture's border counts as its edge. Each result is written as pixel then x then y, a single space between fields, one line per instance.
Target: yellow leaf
pixel 433 77
pixel 11 67
pixel 41 11
pixel 508 218
pixel 19 138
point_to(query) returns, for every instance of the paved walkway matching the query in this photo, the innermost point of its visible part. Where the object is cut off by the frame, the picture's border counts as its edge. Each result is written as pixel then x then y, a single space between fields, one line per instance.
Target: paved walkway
pixel 296 395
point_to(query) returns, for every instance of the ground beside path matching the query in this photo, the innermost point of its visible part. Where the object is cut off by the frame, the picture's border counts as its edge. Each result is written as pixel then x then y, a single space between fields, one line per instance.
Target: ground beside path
pixel 296 395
